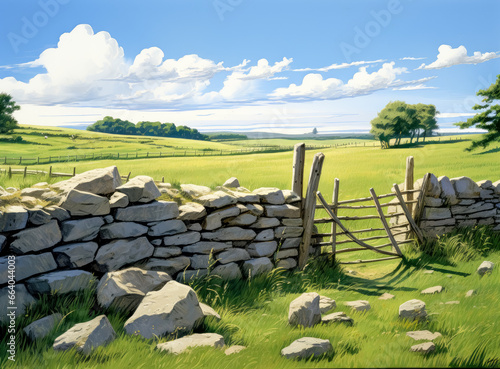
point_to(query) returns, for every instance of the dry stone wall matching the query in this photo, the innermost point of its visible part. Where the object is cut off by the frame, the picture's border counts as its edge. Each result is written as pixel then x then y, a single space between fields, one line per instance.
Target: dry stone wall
pixel 95 224
pixel 459 202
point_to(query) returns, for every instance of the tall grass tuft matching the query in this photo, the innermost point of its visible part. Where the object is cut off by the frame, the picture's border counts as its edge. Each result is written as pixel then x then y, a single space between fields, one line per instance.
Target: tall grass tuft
pixel 477 359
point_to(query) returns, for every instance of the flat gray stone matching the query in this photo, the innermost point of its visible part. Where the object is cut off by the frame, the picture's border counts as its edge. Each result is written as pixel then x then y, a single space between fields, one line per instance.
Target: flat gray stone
pixel 288 232
pixel 412 309
pixel 100 181
pixel 339 317
pixel 153 212
pixel 432 290
pixel 125 289
pixel 199 261
pixel 140 189
pixel 205 247
pixel 270 195
pixel 192 211
pixel 112 256
pixel 167 228
pixel 243 197
pixel 287 253
pixel 38 216
pixel 42 327
pixel 232 255
pixel 288 263
pixel 265 235
pixel 181 345
pixel 436 213
pixel 27 266
pixel 229 234
pixel 282 211
pixel 424 348
pixel 254 267
pixel 60 282
pixel 217 200
pixel 173 309
pixel 292 222
pixel 23 300
pixel 212 222
pixel 187 238
pixel 56 212
pixel 386 296
pixel 167 252
pixel 13 218
pixel 118 200
pixel 290 243
pixel 80 203
pixel 306 347
pixel 122 230
pixel 82 229
pixel 170 266
pixel 423 335
pixel 326 304
pixel 485 267
pixel 244 219
pixel 36 239
pixel 264 222
pixel 290 196
pixel 261 249
pixel 75 255
pixel 194 190
pixel 227 271
pixel 209 311
pixel 86 337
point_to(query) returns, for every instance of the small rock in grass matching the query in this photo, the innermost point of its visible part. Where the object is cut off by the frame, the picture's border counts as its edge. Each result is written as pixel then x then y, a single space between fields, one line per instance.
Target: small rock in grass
pixel 485 267
pixel 470 293
pixel 234 349
pixel 359 305
pixel 424 348
pixel 306 347
pixel 195 340
pixel 432 290
pixel 339 317
pixel 386 296
pixel 429 272
pixel 423 335
pixel 326 304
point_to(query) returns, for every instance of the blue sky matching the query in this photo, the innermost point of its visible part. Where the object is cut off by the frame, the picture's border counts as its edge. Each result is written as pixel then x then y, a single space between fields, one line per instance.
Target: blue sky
pixel 276 66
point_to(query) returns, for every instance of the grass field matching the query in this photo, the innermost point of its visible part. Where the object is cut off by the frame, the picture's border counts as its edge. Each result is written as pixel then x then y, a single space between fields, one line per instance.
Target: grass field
pixel 254 314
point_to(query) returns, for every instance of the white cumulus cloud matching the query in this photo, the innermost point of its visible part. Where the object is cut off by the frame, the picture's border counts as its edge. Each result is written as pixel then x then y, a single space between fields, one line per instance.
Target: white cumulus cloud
pixel 448 56
pixel 339 66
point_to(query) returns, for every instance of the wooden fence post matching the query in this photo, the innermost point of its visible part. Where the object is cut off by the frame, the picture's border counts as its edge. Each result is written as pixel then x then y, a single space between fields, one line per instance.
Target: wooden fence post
pixel 299 154
pixel 335 201
pixel 24 173
pixel 74 171
pixel 128 177
pixel 310 207
pixel 10 172
pixel 409 179
pixel 50 171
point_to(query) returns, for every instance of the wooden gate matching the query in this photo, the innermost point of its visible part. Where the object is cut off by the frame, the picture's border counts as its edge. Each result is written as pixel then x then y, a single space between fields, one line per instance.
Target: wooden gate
pixel 404 210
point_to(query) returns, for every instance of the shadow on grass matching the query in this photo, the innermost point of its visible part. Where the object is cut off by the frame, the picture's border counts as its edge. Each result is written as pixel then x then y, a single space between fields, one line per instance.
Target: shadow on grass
pixel 497 149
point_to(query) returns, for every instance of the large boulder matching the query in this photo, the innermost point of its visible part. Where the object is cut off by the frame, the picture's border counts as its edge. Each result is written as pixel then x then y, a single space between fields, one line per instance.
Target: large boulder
pixel 75 255
pixel 152 212
pixel 305 347
pixel 27 266
pixel 23 300
pixel 42 327
pixel 114 255
pixel 180 345
pixel 255 267
pixel 124 289
pixel 122 230
pixel 86 337
pixel 412 310
pixel 60 282
pixel 13 218
pixel 36 239
pixel 140 189
pixel 81 229
pixel 174 309
pixel 80 203
pixel 100 181
pixel 304 310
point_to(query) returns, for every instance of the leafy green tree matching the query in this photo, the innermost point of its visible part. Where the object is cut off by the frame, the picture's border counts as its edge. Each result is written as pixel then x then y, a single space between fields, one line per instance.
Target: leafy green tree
pixel 427 117
pixel 315 131
pixel 488 119
pixel 7 108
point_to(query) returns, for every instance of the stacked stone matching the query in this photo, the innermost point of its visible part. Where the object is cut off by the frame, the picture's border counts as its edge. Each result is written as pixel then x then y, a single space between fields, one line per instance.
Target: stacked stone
pixel 459 202
pixel 100 225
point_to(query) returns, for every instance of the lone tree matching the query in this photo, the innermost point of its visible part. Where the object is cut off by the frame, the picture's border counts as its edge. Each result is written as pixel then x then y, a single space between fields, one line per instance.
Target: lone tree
pixel 488 119
pixel 399 119
pixel 315 131
pixel 7 108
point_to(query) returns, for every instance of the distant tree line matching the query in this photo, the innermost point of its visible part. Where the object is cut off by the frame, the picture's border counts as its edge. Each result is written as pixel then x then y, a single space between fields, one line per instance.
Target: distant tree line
pixel 399 119
pixel 124 127
pixel 228 136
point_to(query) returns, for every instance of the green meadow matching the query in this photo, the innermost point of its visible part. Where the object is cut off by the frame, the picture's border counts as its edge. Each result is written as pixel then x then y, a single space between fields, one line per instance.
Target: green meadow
pixel 254 313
